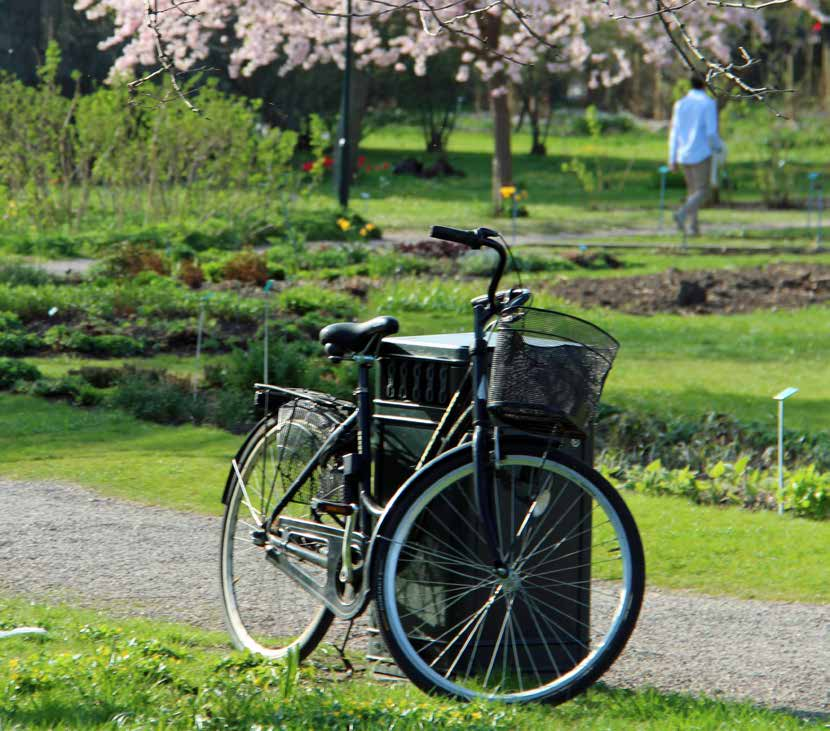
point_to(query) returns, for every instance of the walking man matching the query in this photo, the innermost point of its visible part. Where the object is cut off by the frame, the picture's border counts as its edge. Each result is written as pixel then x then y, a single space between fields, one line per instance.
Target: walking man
pixel 692 142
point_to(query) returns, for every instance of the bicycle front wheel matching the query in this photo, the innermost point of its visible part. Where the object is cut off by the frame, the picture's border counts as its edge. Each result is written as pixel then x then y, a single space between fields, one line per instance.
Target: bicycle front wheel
pixel 544 628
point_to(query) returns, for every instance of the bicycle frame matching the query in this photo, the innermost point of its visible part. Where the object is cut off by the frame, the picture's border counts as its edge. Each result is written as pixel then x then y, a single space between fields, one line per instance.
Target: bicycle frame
pixel 358 476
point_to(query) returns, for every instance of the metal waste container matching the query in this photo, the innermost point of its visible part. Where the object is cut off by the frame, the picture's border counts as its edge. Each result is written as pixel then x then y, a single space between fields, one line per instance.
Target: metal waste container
pixel 416 382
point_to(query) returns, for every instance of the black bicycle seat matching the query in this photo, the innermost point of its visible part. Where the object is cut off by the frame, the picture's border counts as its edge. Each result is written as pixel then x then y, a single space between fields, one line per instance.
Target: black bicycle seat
pixel 352 337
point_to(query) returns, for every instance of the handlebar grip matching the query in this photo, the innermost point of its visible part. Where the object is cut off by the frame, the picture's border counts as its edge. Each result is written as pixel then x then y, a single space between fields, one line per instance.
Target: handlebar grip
pixel 456 235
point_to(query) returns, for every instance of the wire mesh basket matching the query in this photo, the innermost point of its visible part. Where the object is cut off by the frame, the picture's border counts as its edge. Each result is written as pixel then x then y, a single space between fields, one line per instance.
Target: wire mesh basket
pixel 548 371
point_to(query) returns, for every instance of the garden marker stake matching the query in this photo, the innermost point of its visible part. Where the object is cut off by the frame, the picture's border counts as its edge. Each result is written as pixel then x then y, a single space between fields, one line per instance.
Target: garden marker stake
pixel 811 183
pixel 780 398
pixel 199 328
pixel 820 195
pixel 664 171
pixel 268 286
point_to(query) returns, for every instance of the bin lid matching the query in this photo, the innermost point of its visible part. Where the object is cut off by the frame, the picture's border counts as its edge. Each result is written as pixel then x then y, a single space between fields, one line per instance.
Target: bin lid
pixel 444 346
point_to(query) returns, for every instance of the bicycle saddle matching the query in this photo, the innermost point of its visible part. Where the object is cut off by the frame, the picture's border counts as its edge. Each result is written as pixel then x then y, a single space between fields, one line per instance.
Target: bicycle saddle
pixel 352 337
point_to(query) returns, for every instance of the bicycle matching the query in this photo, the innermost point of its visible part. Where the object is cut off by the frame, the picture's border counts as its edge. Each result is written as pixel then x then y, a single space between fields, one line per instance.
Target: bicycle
pixel 501 569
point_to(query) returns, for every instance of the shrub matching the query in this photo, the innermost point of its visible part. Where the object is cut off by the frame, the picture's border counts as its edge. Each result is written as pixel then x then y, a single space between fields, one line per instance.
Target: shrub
pixel 303 299
pixel 68 387
pixel 154 396
pixel 97 376
pixel 9 321
pixel 18 343
pixel 130 258
pixel 246 266
pixel 231 409
pixel 191 274
pixel 807 493
pixel 12 370
pixel 634 438
pixel 61 337
pixel 15 274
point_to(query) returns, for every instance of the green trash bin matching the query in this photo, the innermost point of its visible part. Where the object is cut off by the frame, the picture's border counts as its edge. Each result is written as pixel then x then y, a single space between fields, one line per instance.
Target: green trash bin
pixel 416 382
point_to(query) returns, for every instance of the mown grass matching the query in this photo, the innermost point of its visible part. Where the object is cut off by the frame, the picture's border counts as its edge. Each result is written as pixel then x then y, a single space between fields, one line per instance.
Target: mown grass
pixel 181 467
pixel 93 672
pixel 669 364
pixel 557 203
pixel 706 549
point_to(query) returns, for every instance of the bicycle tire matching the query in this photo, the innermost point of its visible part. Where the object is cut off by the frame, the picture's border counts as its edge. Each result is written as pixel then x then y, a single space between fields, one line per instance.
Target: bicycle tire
pixel 265 611
pixel 451 645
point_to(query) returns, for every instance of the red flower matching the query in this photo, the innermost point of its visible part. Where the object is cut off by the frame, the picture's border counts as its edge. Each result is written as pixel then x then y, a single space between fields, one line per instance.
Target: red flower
pixel 307 166
pixel 817 26
pixel 386 166
pixel 327 162
pixel 361 160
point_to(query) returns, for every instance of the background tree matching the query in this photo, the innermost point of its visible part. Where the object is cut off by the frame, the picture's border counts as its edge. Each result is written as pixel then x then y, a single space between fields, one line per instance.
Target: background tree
pixel 499 38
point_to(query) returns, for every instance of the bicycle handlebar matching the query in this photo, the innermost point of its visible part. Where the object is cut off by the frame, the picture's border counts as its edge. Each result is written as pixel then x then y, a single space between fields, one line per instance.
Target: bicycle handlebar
pixel 475 240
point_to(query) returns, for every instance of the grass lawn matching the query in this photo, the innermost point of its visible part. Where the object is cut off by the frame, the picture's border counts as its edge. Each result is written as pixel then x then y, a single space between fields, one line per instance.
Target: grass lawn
pixel 669 364
pixel 713 550
pixel 556 202
pixel 93 672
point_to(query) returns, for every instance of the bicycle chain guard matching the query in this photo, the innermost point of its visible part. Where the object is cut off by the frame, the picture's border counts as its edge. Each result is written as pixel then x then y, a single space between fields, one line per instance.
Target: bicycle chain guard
pixel 343 601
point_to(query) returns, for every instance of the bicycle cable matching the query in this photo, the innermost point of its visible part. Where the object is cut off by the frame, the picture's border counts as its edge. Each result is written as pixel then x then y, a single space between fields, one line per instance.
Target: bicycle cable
pixel 513 261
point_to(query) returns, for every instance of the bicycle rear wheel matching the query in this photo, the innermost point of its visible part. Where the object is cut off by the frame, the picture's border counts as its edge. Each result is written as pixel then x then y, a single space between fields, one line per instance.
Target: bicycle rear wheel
pixel 265 611
pixel 548 628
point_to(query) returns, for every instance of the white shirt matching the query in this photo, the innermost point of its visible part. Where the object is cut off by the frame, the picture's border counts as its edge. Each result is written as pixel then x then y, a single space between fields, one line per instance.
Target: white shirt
pixel 694 129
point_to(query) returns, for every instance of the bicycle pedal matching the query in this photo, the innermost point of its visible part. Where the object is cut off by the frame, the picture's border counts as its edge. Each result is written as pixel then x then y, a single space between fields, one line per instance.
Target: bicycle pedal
pixel 332 508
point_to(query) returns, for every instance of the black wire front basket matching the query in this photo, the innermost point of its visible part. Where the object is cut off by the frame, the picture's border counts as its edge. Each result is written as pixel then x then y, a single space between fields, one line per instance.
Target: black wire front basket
pixel 548 371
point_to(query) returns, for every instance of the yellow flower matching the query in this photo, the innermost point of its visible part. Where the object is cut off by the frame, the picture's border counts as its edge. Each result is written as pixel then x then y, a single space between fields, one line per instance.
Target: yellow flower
pixel 370 227
pixel 507 190
pixel 13 663
pixel 364 231
pixel 344 224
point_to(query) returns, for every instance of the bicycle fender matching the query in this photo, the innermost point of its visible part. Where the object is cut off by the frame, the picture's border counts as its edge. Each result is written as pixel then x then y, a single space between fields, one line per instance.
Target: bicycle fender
pixel 226 493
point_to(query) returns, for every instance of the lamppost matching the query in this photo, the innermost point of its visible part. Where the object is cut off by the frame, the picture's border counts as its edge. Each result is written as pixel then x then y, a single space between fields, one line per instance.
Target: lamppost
pixel 344 166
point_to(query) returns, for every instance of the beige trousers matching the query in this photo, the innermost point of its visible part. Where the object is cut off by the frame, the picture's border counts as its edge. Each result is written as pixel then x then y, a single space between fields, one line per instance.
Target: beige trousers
pixel 698 178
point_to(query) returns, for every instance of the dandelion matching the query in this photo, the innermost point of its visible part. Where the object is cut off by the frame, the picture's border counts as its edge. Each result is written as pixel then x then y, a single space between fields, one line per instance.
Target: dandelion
pixel 507 190
pixel 13 663
pixel 344 224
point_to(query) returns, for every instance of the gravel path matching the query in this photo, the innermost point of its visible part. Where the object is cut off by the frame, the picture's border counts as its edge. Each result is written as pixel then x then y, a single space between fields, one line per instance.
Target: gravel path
pixel 60 542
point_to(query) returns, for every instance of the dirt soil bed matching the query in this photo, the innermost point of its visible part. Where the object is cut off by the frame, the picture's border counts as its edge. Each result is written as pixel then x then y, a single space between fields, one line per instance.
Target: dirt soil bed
pixel 721 291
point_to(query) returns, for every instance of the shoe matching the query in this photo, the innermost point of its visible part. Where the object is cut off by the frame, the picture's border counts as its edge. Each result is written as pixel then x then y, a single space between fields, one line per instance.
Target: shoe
pixel 680 220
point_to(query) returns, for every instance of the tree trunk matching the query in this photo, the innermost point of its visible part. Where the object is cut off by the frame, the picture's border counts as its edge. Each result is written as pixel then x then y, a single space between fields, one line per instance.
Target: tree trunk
pixel 502 158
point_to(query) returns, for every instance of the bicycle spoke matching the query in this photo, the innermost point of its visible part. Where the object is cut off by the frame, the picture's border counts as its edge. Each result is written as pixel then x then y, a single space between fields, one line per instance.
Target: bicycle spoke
pixel 495 650
pixel 556 559
pixel 522 558
pixel 541 635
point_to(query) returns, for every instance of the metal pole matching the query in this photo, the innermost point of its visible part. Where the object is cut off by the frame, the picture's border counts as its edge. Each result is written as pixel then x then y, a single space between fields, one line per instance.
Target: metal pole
pixel 663 170
pixel 780 398
pixel 781 457
pixel 515 214
pixel 268 285
pixel 265 349
pixel 344 172
pixel 198 345
pixel 820 201
pixel 810 178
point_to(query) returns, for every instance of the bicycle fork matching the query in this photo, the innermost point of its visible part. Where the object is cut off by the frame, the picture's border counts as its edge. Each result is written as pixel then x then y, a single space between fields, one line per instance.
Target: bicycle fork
pixel 484 478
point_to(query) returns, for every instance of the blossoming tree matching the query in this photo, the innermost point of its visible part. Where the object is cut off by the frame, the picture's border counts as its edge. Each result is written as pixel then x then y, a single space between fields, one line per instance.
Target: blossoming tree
pixel 496 37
